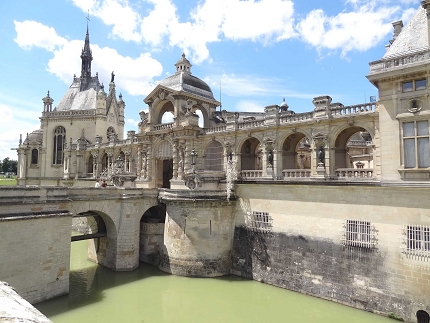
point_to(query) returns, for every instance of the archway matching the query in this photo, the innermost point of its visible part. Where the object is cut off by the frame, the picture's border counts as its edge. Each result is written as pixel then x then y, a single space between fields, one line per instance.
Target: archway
pixel 99 229
pixel 90 165
pixel 164 164
pixel 296 152
pixel 251 158
pixel 166 113
pixel 151 239
pixel 354 153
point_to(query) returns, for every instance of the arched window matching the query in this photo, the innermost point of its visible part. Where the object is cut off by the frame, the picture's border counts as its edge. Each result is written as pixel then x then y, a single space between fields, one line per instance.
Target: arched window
pixel 105 162
pixel 59 139
pixel 214 157
pixel 423 317
pixel 34 156
pixel 90 166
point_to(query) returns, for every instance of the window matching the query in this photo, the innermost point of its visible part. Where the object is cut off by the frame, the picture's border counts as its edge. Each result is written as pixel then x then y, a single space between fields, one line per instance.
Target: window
pixel 359 234
pixel 414 85
pixel 59 139
pixel 34 156
pixel 260 221
pixel 420 84
pixel 416 144
pixel 408 86
pixel 417 239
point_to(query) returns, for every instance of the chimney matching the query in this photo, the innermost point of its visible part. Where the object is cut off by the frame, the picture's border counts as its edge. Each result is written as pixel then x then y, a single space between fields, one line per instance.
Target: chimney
pixel 398 25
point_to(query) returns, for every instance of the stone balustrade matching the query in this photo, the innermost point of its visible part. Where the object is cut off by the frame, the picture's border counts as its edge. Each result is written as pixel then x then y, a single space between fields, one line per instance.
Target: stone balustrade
pixel 251 174
pixel 163 126
pixel 69 113
pixel 354 173
pixel 296 173
pixel 353 109
pixel 250 124
pixel 298 117
pixel 398 62
pixel 214 129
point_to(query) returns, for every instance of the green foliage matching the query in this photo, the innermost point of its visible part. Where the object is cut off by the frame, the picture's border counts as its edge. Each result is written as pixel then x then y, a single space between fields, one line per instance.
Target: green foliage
pixel 394 316
pixel 8 165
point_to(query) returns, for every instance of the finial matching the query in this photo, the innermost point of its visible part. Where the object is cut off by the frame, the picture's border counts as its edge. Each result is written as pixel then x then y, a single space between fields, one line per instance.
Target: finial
pixel 48 94
pixel 112 77
pixel 88 19
pixel 120 95
pixel 183 55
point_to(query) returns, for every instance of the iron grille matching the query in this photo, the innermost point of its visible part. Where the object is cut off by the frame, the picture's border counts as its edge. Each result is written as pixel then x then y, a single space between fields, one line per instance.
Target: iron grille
pixel 359 233
pixel 417 240
pixel 260 221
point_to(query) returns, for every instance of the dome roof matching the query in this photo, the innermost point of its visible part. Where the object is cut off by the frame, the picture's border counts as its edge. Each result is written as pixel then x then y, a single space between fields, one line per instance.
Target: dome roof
pixel 186 82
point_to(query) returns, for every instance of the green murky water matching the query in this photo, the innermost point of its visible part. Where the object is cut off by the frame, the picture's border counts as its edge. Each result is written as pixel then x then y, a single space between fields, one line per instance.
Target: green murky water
pixel 148 295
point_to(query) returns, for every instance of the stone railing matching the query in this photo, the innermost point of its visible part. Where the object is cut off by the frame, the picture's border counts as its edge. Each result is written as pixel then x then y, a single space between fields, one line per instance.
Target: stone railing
pixel 250 124
pixel 69 113
pixel 360 143
pixel 354 172
pixel 251 174
pixel 353 109
pixel 108 144
pixel 214 129
pixel 296 173
pixel 396 62
pixel 163 126
pixel 296 117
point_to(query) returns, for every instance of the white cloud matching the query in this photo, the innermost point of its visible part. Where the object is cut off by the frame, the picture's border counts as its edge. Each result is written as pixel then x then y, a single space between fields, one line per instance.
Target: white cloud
pixel 6 114
pixel 116 13
pixel 133 122
pixel 249 106
pixel 134 75
pixel 253 85
pixel 33 33
pixel 264 20
pixel 355 30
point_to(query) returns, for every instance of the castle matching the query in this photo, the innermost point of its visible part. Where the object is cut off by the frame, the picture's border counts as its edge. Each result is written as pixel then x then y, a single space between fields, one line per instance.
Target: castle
pixel 332 202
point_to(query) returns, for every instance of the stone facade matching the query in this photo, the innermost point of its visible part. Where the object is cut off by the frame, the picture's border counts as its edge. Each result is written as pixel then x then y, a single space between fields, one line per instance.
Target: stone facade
pixel 330 202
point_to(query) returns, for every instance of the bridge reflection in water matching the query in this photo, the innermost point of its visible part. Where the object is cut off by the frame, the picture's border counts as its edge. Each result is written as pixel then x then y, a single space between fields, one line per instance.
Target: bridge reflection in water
pixel 149 295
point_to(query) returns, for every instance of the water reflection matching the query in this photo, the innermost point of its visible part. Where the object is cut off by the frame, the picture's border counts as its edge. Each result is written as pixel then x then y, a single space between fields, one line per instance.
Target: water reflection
pixel 148 295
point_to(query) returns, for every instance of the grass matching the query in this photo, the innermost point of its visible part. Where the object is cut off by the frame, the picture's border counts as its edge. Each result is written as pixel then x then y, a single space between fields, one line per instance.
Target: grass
pixel 7 181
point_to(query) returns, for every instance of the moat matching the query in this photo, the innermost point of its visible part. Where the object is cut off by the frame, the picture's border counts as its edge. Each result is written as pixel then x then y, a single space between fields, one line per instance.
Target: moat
pixel 147 295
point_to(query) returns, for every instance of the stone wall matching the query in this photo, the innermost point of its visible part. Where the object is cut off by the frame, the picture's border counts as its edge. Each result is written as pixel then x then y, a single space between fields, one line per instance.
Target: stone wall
pixel 35 255
pixel 198 233
pixel 13 308
pixel 304 250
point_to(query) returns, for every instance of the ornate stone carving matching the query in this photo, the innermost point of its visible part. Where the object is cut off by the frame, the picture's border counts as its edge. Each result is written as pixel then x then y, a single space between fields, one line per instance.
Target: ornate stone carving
pixel 193 180
pixel 320 139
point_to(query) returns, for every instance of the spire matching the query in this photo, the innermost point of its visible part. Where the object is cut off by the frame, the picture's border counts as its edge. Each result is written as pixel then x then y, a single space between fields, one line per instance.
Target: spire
pixel 86 57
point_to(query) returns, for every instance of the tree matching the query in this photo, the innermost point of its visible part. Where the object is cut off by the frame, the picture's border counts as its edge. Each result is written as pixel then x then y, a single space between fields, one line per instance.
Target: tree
pixel 9 165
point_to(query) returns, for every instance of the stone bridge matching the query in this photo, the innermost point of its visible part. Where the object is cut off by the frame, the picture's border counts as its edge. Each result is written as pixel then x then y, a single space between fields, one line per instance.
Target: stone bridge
pixel 36 229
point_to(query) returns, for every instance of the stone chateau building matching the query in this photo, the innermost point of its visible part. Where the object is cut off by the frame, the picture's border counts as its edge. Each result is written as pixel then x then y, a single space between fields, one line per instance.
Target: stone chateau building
pixel 332 202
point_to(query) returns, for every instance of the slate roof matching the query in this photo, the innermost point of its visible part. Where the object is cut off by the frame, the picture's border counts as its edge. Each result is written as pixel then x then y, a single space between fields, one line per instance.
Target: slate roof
pixel 188 83
pixel 74 99
pixel 412 38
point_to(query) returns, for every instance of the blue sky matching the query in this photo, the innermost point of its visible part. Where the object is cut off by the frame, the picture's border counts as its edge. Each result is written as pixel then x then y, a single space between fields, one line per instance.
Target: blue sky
pixel 261 51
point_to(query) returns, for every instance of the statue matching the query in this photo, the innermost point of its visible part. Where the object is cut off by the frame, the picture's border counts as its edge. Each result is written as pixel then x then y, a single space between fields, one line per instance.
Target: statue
pixel 321 155
pixel 270 157
pixel 112 77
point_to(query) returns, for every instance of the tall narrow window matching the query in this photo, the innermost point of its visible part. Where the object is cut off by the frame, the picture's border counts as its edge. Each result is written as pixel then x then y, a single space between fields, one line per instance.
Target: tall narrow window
pixel 34 156
pixel 59 139
pixel 416 144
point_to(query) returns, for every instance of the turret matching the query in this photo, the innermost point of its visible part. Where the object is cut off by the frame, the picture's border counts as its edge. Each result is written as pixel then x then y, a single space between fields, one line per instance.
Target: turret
pixel 47 103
